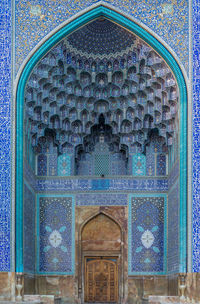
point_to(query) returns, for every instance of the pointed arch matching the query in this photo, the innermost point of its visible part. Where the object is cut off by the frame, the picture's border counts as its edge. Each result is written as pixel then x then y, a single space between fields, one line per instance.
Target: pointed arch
pixel 95 215
pixel 81 20
pixel 118 252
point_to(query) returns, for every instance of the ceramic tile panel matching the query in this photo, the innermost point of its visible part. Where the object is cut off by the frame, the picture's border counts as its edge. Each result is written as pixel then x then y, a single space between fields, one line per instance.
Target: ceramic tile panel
pixel 29 176
pixel 196 138
pixel 55 234
pixel 5 129
pixel 64 165
pixel 102 199
pixel 65 104
pixel 52 159
pixel 169 20
pixel 147 235
pixel 138 165
pixel 29 229
pixel 76 184
pixel 173 229
pixel 37 19
pixel 174 174
pixel 161 164
pixel 42 165
pixel 150 163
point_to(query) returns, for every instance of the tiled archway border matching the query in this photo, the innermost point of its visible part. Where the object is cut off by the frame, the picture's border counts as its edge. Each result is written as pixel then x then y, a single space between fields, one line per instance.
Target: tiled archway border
pixel 74 24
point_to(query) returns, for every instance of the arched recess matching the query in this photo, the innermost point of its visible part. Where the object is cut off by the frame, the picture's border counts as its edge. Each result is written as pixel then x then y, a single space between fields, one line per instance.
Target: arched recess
pixel 106 240
pixel 130 25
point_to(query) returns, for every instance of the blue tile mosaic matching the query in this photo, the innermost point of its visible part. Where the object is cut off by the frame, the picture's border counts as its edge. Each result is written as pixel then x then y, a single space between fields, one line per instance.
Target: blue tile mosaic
pixel 100 184
pixel 129 184
pixel 196 138
pixel 87 39
pixel 52 159
pixel 5 166
pixel 29 230
pixel 150 162
pixel 30 17
pixel 108 199
pixel 5 216
pixel 42 165
pixel 55 234
pixel 37 19
pixel 64 165
pixel 174 174
pixel 173 230
pixel 31 158
pixel 146 234
pixel 70 111
pixel 161 164
pixel 29 176
pixel 138 165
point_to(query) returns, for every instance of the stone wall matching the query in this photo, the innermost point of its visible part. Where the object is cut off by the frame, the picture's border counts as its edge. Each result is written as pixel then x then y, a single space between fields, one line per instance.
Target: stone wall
pixel 62 286
pixel 192 291
pixel 140 287
pixel 7 286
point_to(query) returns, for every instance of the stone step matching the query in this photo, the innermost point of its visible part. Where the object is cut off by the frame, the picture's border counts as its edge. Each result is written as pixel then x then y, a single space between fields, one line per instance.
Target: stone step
pixel 19 302
pixel 45 299
pixel 145 300
pixel 68 300
pixel 164 300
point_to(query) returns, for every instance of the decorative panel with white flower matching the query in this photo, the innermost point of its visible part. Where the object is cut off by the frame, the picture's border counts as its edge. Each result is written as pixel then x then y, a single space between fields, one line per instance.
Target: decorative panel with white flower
pixel 55 234
pixel 147 234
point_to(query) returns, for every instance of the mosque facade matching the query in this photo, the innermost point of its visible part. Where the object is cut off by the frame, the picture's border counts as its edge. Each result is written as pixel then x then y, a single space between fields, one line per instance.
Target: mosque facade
pixel 99 151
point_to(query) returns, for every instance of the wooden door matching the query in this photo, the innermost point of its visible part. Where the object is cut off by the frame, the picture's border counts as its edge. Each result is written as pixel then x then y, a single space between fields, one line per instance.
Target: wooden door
pixel 101 279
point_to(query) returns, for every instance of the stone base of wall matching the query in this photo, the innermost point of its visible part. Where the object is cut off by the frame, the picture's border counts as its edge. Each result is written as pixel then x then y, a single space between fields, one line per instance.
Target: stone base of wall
pixel 29 284
pixel 139 287
pixel 59 286
pixel 164 300
pixel 7 286
pixel 192 291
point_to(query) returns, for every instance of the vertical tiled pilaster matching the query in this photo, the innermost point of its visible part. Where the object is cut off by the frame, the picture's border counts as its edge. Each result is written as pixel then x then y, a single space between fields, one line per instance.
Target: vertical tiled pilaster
pixel 5 171
pixel 196 136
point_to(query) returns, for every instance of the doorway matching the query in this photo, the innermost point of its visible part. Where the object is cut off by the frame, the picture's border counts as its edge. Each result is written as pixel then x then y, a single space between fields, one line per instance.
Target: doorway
pixel 101 279
pixel 102 260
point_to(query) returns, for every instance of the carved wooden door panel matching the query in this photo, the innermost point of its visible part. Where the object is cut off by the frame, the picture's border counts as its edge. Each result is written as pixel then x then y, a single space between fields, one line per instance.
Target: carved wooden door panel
pixel 101 280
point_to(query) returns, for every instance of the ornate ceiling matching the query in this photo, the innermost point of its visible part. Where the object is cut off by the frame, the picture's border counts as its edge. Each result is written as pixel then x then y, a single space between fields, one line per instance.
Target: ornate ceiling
pixel 101 37
pixel 100 69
